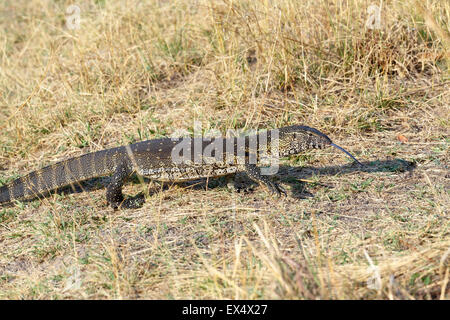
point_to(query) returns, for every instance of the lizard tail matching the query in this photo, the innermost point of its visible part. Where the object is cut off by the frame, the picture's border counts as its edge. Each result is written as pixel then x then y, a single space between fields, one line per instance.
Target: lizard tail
pixel 42 181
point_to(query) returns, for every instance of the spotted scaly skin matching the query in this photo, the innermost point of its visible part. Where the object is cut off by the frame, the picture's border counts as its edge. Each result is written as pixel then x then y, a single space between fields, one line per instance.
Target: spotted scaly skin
pixel 154 159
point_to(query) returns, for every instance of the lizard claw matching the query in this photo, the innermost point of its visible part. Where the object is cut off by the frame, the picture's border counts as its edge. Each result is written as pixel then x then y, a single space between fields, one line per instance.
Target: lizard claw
pixel 282 190
pixel 276 189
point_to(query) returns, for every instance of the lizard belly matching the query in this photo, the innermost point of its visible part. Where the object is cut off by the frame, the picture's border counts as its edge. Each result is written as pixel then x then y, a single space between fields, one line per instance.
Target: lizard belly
pixel 185 173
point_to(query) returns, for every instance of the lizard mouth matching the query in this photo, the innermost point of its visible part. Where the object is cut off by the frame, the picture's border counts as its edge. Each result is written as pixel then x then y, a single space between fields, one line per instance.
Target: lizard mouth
pixel 346 152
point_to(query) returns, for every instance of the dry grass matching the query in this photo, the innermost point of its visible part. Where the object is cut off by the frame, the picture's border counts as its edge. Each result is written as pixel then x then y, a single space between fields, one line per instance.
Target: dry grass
pixel 137 70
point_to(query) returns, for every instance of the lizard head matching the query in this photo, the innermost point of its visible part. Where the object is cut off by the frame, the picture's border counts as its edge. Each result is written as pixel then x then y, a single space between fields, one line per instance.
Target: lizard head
pixel 296 139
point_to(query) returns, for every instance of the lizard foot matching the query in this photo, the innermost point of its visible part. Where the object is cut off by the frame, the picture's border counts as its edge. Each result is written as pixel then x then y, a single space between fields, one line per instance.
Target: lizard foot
pixel 129 203
pixel 276 189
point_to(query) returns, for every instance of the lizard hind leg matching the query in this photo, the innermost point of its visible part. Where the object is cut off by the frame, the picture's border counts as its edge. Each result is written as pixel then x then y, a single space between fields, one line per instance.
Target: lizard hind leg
pixel 234 185
pixel 114 195
pixel 255 173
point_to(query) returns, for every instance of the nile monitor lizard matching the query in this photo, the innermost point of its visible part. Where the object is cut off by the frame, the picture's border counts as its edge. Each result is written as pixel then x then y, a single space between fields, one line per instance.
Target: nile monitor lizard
pixel 169 159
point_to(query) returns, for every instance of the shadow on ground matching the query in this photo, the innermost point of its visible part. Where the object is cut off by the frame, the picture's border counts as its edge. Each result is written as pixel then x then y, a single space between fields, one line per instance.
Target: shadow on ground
pixel 293 176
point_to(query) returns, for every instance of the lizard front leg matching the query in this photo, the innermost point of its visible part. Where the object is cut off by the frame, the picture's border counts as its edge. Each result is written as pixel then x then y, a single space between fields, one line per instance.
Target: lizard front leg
pixel 255 173
pixel 114 195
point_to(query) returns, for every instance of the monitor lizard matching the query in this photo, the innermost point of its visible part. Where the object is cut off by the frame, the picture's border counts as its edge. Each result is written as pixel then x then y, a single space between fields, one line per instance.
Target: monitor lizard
pixel 159 159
